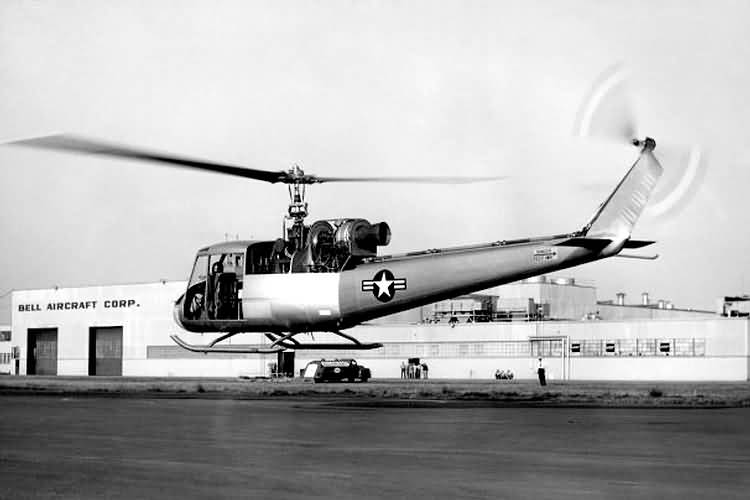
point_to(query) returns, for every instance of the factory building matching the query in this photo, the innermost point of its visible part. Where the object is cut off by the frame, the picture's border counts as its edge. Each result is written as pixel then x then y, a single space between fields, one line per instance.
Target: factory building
pixel 125 330
pixel 647 308
pixel 735 306
pixel 537 298
pixel 544 298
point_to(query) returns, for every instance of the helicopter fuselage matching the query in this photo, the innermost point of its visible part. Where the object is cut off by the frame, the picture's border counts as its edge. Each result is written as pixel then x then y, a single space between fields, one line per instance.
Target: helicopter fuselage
pixel 331 301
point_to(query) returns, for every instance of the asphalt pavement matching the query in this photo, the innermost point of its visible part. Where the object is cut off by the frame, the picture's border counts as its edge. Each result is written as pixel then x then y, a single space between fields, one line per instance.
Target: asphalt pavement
pixel 90 447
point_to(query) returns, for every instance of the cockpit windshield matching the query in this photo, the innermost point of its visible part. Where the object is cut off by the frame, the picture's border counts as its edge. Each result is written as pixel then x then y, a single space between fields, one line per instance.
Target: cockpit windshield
pixel 199 270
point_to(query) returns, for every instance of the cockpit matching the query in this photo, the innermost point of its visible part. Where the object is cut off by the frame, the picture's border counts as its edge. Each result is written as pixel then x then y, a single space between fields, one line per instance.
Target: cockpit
pixel 215 287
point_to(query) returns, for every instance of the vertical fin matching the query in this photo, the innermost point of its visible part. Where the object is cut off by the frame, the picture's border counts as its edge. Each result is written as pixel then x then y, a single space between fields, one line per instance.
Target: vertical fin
pixel 617 216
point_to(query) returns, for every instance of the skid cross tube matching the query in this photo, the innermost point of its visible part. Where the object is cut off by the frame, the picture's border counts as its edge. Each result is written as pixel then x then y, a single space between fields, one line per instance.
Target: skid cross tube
pixel 356 345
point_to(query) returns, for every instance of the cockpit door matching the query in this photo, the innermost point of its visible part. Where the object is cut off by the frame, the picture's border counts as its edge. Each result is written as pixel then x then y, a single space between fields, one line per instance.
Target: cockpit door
pixel 224 286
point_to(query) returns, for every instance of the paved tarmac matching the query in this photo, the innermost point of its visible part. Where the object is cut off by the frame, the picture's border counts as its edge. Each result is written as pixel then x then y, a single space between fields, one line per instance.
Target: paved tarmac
pixel 89 447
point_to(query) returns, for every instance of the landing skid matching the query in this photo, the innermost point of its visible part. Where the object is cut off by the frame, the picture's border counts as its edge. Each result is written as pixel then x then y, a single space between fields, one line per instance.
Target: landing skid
pixel 279 343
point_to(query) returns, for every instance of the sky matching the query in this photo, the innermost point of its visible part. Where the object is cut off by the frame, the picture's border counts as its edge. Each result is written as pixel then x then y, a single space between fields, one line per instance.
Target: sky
pixel 365 88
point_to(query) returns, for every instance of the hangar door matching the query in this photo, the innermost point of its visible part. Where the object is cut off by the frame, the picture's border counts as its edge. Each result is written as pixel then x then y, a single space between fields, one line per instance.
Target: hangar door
pixel 105 350
pixel 42 351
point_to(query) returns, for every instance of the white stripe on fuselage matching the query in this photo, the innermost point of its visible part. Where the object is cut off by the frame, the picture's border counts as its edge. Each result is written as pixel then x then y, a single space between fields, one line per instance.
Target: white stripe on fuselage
pixel 291 299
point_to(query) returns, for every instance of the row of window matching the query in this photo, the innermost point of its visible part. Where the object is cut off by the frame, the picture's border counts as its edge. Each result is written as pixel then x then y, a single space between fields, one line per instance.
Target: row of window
pixel 5 358
pixel 552 348
pixel 638 347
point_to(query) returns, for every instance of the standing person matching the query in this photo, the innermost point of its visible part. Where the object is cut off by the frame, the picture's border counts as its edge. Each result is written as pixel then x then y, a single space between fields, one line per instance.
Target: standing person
pixel 403 370
pixel 424 371
pixel 540 371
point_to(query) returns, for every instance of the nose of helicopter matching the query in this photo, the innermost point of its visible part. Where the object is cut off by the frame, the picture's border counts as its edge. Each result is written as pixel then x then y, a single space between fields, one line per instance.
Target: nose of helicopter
pixel 177 312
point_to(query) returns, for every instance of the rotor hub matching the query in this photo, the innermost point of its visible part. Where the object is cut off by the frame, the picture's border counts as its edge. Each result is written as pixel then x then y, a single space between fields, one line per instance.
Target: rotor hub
pixel 647 144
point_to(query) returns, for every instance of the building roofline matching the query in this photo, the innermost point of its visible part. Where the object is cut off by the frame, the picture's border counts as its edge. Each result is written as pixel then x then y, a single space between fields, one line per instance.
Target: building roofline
pixel 652 307
pixel 67 287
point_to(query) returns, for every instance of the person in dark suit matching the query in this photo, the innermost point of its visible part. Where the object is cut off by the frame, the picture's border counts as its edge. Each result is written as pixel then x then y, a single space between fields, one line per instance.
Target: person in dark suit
pixel 541 372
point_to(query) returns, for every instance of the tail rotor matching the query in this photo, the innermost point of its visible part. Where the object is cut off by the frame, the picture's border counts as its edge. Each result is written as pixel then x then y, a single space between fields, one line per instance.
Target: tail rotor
pixel 608 113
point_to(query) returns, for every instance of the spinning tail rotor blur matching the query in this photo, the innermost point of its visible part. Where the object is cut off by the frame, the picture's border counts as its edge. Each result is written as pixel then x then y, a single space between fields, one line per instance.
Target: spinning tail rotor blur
pixel 608 113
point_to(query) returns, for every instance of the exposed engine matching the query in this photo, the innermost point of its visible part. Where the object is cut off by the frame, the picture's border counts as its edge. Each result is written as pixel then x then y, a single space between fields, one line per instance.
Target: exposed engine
pixel 336 244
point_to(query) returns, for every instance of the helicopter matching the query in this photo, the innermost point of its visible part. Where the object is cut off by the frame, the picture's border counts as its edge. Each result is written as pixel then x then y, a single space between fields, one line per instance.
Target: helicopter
pixel 328 276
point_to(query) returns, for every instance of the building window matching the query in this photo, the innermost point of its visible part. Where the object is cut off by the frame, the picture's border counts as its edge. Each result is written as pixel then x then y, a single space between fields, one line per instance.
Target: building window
pixel 646 347
pixel 575 347
pixel 627 347
pixel 683 347
pixel 592 347
pixel 665 347
pixel 5 336
pixel 699 347
pixel 393 350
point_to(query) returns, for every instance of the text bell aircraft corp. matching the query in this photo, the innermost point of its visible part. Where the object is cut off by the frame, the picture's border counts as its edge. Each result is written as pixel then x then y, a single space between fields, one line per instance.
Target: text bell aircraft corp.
pixel 328 276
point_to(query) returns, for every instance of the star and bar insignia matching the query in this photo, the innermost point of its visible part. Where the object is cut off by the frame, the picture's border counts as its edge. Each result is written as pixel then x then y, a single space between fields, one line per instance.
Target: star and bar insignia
pixel 384 285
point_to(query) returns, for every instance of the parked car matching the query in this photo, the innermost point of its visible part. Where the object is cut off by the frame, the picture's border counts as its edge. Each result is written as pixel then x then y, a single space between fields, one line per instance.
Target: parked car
pixel 336 370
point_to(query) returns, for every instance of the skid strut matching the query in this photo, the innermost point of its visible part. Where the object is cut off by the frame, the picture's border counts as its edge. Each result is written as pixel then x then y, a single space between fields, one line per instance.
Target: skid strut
pixel 279 342
pixel 234 349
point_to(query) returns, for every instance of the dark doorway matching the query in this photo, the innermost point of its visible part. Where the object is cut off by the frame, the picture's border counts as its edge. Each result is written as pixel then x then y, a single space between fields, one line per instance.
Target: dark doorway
pixel 42 351
pixel 285 364
pixel 105 350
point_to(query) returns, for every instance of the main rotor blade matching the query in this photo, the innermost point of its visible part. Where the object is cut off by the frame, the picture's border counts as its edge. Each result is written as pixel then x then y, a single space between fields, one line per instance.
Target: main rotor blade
pixel 425 180
pixel 78 144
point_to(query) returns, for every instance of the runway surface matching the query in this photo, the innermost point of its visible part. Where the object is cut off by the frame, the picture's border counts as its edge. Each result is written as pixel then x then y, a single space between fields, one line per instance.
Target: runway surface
pixel 52 447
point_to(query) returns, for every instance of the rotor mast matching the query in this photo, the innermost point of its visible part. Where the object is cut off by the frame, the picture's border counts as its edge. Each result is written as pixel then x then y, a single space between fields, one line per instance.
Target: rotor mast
pixel 297 203
pixel 297 182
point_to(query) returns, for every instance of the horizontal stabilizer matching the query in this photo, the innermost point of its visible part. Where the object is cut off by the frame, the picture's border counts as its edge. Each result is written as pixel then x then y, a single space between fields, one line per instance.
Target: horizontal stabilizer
pixel 594 244
pixel 638 243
